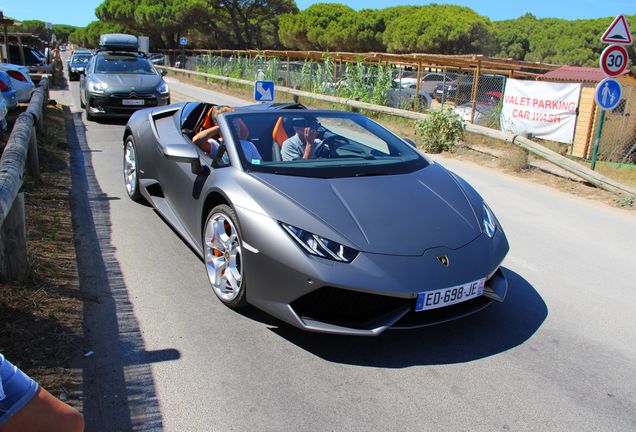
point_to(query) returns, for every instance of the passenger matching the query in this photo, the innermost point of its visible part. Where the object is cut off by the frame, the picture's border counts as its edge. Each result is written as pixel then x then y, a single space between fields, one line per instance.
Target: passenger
pixel 208 139
pixel 27 407
pixel 303 144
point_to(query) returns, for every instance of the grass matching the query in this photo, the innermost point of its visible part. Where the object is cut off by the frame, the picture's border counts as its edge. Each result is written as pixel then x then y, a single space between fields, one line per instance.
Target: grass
pixel 41 330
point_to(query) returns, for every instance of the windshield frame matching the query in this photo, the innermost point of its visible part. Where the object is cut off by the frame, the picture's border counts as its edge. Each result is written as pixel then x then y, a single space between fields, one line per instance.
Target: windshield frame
pixel 413 159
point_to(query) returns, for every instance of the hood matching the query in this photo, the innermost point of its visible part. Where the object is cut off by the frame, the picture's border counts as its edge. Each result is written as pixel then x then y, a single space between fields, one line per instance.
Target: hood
pixel 397 214
pixel 126 82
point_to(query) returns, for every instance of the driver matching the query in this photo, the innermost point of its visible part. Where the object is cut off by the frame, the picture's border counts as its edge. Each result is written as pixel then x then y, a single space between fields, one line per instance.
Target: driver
pixel 303 144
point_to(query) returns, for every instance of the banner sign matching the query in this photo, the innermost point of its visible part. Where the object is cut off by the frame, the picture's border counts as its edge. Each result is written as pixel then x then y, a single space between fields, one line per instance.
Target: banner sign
pixel 544 109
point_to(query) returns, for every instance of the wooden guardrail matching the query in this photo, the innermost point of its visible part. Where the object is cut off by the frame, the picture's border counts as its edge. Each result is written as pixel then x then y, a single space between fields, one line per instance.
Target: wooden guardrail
pixel 578 170
pixel 20 152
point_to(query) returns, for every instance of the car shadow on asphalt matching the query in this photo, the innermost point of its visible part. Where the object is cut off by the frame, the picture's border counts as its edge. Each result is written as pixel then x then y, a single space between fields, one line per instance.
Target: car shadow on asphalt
pixel 118 384
pixel 498 328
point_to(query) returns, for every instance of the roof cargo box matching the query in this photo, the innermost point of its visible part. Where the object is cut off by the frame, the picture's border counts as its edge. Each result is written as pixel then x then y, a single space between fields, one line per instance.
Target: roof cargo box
pixel 118 42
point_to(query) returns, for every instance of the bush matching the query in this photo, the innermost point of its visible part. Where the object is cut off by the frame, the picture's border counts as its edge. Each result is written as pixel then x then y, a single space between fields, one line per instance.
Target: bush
pixel 440 131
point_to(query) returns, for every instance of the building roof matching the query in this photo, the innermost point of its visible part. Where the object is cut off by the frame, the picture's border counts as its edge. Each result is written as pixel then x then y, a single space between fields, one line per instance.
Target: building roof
pixel 574 74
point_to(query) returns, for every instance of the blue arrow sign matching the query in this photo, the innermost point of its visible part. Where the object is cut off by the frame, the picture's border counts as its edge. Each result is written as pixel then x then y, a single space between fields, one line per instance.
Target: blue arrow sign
pixel 608 94
pixel 183 41
pixel 264 91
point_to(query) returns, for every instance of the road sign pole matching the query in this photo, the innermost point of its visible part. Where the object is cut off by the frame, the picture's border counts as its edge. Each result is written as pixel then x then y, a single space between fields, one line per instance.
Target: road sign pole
pixel 597 138
pixel 182 57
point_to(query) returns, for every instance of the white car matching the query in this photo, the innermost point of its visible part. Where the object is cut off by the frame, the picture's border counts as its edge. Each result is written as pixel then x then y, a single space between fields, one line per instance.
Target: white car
pixel 485 108
pixel 20 79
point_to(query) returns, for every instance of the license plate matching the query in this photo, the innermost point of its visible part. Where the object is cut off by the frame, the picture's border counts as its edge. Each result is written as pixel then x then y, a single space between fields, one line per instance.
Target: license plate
pixel 132 102
pixel 449 296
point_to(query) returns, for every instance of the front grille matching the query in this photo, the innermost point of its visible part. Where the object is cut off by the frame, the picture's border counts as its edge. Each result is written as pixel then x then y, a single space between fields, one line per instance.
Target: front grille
pixel 115 102
pixel 347 308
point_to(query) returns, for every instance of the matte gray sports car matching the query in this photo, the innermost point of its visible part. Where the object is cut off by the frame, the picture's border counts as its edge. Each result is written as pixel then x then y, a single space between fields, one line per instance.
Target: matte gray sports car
pixel 365 235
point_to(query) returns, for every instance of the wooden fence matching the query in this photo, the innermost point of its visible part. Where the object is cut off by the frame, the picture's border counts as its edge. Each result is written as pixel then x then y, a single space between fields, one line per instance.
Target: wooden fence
pixel 20 152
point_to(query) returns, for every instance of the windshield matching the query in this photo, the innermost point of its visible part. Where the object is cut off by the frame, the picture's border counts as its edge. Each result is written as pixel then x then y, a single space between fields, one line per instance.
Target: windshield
pixel 342 145
pixel 80 59
pixel 123 65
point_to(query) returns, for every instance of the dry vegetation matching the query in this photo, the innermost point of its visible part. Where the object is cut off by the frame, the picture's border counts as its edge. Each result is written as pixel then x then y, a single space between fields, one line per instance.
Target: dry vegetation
pixel 41 327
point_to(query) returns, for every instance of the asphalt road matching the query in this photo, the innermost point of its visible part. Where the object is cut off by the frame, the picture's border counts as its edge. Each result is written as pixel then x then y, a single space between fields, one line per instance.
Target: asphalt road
pixel 559 354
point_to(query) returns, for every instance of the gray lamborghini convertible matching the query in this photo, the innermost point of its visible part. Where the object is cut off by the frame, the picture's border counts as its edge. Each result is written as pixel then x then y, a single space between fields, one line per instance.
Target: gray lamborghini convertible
pixel 364 235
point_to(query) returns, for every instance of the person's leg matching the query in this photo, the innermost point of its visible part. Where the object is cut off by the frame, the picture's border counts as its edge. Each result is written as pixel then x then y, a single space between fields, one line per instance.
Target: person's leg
pixel 45 413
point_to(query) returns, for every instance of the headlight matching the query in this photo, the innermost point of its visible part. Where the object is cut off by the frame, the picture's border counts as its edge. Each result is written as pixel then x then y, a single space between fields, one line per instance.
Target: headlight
pixel 96 87
pixel 490 223
pixel 319 246
pixel 72 69
pixel 163 88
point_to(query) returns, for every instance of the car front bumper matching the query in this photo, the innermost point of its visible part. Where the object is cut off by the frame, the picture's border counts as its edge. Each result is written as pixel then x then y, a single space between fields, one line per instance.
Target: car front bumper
pixel 371 294
pixel 113 105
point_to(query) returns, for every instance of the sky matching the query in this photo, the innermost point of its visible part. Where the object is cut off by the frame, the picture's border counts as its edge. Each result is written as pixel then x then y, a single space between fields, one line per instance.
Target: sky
pixel 82 12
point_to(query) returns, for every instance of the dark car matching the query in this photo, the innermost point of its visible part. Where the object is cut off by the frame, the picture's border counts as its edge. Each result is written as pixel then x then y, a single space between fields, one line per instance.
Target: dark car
pixel 118 80
pixel 77 64
pixel 460 90
pixel 33 59
pixel 368 234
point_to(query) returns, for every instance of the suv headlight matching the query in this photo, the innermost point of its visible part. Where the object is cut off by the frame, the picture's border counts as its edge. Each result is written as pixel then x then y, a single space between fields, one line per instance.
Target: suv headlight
pixel 163 88
pixel 489 222
pixel 96 87
pixel 320 246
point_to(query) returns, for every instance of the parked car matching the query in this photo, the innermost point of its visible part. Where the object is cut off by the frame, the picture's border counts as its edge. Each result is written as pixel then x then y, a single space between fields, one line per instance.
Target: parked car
pixel 33 60
pixel 485 108
pixel 119 80
pixel 7 91
pixel 460 89
pixel 3 116
pixel 157 59
pixel 428 82
pixel 77 63
pixel 302 240
pixel 457 90
pixel 20 80
pixel 403 97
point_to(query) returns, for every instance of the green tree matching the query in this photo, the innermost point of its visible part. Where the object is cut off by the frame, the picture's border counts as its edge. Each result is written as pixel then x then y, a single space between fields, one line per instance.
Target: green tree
pixel 164 21
pixel 439 29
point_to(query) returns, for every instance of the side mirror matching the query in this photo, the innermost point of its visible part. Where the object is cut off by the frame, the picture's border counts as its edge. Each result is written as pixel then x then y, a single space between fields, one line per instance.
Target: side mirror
pixel 164 72
pixel 183 153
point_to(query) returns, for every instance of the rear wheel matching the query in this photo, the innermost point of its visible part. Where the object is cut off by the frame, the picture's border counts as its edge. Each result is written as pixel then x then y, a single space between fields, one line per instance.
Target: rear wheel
pixel 222 250
pixel 130 170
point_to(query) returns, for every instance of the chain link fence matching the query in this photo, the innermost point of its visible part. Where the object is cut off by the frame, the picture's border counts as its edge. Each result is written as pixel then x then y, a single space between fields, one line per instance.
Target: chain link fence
pixel 378 83
pixel 617 142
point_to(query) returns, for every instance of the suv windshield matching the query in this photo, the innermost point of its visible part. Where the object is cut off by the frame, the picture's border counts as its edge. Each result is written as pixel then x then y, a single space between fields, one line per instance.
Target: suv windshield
pixel 344 145
pixel 123 64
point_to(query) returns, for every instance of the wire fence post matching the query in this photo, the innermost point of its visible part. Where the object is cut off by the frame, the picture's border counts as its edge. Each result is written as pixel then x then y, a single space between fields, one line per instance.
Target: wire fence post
pixel 597 138
pixel 475 91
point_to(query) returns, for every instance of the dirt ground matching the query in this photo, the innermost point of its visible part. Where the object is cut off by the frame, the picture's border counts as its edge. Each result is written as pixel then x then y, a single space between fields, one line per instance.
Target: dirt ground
pixel 41 326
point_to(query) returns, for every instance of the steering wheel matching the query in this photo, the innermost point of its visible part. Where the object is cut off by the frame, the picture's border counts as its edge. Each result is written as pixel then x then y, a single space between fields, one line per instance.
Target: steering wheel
pixel 328 147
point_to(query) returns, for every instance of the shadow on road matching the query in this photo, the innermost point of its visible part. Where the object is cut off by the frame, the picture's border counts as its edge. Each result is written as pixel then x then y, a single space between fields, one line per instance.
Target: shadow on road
pixel 118 386
pixel 498 328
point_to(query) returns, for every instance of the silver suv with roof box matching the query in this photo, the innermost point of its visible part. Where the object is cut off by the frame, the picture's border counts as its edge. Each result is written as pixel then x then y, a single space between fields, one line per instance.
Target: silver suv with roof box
pixel 119 80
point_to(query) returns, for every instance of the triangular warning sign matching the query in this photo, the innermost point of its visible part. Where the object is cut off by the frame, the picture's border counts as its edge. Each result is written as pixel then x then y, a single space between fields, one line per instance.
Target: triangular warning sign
pixel 618 32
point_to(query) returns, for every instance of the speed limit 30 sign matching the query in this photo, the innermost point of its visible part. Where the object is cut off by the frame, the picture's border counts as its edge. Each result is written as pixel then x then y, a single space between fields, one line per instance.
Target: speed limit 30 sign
pixel 614 60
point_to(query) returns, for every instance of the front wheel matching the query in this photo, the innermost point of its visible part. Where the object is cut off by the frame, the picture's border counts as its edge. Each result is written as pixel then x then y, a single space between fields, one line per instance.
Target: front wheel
pixel 222 249
pixel 130 170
